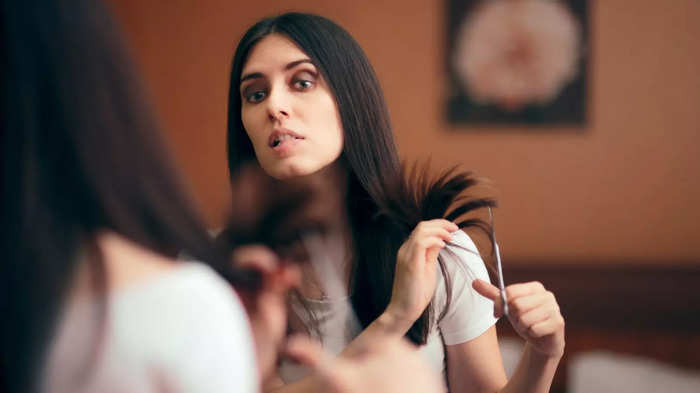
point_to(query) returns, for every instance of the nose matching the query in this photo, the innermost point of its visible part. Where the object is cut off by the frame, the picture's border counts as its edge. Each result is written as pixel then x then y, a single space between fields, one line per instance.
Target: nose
pixel 278 105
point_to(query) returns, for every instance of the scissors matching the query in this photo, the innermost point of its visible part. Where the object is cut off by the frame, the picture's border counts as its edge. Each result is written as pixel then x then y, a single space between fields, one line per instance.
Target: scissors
pixel 501 285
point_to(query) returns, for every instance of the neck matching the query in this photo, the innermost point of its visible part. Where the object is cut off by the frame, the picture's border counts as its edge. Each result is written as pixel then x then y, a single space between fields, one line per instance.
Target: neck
pixel 328 206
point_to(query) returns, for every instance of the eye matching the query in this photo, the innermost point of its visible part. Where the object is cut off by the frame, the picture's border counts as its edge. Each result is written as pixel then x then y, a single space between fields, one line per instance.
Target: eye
pixel 255 96
pixel 304 80
pixel 303 84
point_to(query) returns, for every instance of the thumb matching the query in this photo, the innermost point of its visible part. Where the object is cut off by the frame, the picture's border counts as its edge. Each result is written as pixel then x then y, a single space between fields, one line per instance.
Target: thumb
pixel 256 257
pixel 486 289
pixel 431 254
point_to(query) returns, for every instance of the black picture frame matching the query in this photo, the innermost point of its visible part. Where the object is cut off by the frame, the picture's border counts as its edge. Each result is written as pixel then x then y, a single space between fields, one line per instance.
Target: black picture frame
pixel 569 108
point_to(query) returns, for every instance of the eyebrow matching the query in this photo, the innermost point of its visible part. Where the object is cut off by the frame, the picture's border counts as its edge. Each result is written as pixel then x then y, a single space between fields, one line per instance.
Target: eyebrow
pixel 289 66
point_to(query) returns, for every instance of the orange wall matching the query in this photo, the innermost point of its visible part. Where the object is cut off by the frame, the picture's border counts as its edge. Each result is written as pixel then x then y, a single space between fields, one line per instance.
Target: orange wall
pixel 625 189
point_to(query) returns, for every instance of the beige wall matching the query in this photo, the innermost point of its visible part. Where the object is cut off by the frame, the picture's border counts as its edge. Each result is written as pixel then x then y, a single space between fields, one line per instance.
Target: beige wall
pixel 625 189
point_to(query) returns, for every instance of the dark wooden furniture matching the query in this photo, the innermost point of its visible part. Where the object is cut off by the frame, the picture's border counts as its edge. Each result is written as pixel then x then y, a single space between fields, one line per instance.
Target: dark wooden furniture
pixel 651 311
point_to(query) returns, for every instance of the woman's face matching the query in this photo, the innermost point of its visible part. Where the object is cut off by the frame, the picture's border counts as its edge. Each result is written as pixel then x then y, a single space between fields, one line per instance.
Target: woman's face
pixel 288 110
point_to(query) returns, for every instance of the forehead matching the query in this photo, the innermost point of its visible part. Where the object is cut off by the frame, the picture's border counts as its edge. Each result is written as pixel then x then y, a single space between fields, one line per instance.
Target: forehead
pixel 272 53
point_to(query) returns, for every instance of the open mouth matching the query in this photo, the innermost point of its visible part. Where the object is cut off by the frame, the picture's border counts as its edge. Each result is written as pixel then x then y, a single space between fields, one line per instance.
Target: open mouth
pixel 281 136
pixel 280 139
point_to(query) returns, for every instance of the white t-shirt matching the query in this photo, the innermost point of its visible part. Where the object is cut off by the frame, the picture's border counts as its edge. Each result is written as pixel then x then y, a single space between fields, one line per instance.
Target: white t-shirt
pixel 182 331
pixel 469 315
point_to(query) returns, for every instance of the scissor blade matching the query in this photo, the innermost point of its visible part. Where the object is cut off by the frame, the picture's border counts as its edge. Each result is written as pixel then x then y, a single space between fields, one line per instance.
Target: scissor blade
pixel 501 284
pixel 499 266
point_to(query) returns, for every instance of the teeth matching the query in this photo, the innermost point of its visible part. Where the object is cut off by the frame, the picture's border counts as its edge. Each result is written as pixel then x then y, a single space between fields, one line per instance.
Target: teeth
pixel 279 139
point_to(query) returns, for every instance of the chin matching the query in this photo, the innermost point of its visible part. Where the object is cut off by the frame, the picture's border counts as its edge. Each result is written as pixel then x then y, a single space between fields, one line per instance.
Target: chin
pixel 290 171
pixel 297 166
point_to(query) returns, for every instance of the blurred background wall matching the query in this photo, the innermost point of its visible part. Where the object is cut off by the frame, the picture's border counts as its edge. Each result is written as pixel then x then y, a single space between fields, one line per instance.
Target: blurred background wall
pixel 622 189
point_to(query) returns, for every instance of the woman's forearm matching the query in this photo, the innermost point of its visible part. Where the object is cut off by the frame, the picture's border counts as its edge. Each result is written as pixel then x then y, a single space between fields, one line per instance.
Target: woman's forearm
pixel 534 373
pixel 309 384
pixel 385 327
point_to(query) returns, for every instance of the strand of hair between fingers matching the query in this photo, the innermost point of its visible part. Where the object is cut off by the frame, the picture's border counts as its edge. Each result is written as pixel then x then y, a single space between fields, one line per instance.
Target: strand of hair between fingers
pixel 461 247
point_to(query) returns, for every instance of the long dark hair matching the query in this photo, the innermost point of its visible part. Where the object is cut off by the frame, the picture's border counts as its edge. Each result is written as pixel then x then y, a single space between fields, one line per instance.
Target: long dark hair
pixel 383 204
pixel 80 154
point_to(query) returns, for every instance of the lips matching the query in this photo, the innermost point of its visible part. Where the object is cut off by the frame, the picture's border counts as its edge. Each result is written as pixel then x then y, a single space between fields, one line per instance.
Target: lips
pixel 282 135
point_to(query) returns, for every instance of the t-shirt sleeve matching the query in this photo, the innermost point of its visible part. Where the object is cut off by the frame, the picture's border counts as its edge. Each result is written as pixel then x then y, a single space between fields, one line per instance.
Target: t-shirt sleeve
pixel 212 348
pixel 469 314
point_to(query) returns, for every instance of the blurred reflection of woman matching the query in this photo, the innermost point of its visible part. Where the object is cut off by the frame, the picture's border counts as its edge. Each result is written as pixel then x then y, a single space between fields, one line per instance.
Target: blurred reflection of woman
pixel 93 217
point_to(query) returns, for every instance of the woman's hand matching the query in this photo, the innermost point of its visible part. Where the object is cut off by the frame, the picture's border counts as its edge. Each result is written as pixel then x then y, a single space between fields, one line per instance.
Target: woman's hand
pixel 267 308
pixel 416 270
pixel 534 313
pixel 389 366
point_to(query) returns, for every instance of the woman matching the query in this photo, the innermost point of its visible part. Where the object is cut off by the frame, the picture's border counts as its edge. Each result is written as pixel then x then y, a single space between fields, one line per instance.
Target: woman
pixel 305 101
pixel 93 217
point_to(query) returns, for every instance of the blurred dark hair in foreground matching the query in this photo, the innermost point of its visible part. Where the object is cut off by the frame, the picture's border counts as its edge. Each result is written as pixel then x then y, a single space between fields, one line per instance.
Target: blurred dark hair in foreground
pixel 80 154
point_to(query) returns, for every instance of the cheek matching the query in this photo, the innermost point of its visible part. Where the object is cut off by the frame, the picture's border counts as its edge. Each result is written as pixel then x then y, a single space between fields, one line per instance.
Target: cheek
pixel 338 138
pixel 251 125
pixel 338 135
pixel 333 126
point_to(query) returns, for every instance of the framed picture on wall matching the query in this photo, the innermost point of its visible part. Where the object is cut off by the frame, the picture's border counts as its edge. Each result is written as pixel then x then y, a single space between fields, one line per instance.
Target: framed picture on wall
pixel 517 62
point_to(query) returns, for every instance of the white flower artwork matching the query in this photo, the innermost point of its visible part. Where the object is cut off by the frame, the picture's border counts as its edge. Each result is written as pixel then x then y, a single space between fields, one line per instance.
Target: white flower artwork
pixel 514 58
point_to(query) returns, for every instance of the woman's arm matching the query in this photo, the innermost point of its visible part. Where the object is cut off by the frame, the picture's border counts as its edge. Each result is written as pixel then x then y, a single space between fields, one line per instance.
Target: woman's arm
pixel 476 365
pixel 413 288
pixel 385 328
pixel 383 366
pixel 534 373
pixel 310 383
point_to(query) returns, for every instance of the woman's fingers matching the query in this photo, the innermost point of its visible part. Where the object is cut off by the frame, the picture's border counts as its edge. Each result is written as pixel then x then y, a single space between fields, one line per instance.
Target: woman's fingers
pixel 542 319
pixel 532 317
pixel 307 352
pixel 441 222
pixel 491 292
pixel 415 274
pixel 278 275
pixel 533 312
pixel 522 289
pixel 529 303
pixel 523 304
pixel 441 228
pixel 432 254
pixel 547 327
pixel 426 241
pixel 255 256
pixel 521 298
pixel 486 289
pixel 416 252
pixel 416 246
pixel 290 277
pixel 513 292
pixel 330 369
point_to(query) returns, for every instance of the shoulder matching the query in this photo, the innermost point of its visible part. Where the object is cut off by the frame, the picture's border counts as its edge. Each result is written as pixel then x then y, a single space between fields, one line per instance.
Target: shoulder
pixel 183 329
pixel 462 258
pixel 191 294
pixel 134 271
pixel 468 314
pixel 195 328
pixel 196 278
